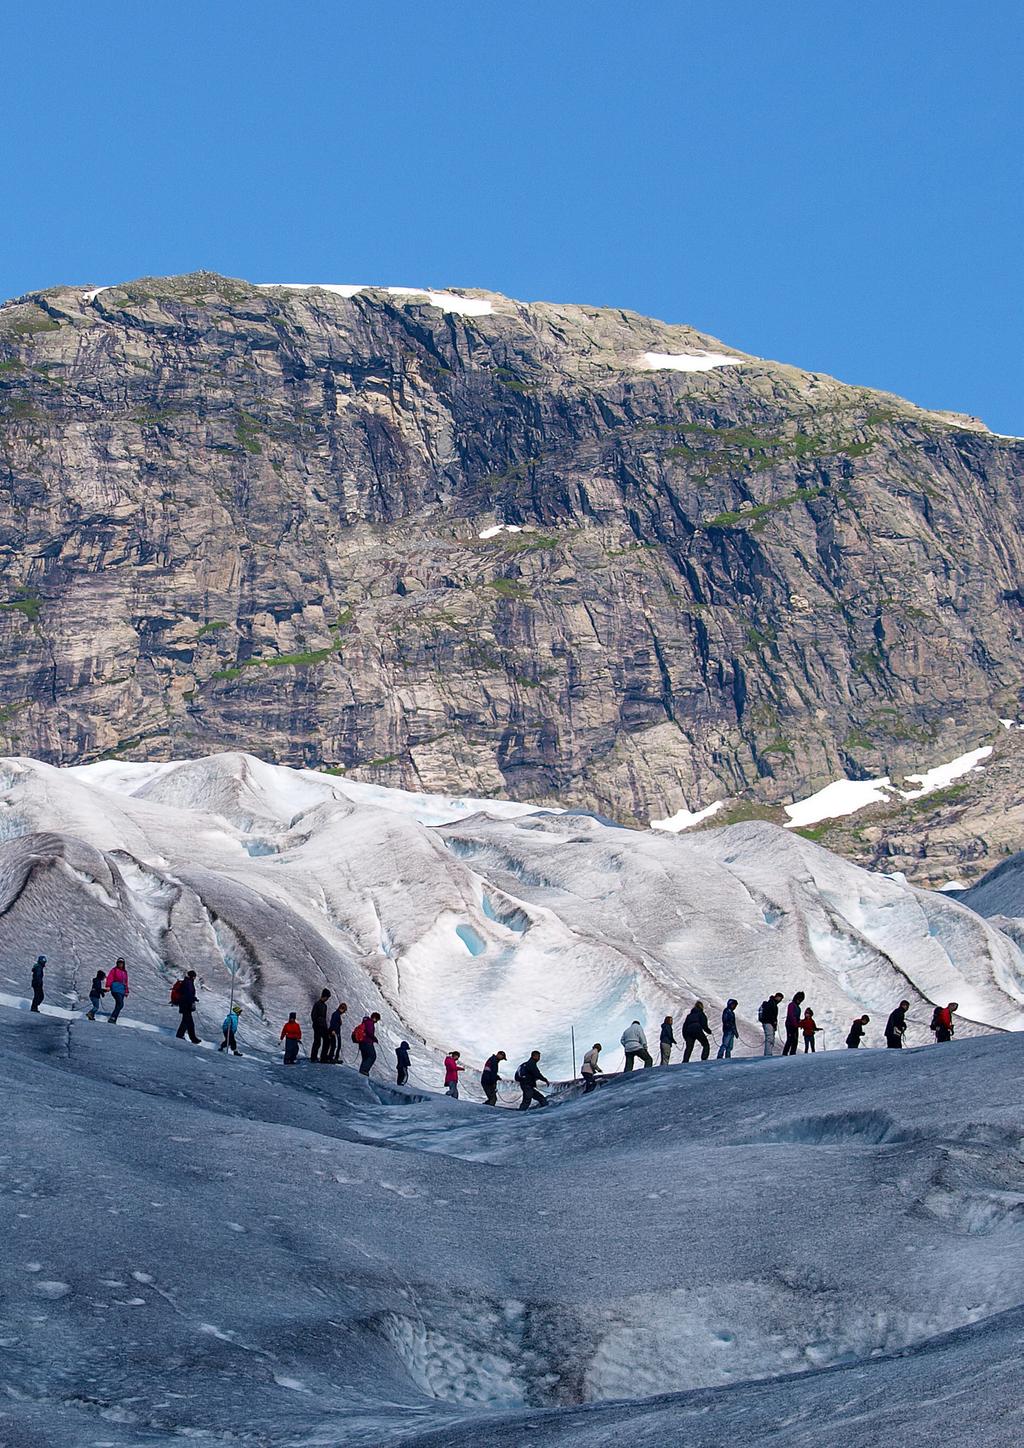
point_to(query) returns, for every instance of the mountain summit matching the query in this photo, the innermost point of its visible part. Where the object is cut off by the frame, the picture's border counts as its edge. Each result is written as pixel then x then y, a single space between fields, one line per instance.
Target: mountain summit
pixel 446 540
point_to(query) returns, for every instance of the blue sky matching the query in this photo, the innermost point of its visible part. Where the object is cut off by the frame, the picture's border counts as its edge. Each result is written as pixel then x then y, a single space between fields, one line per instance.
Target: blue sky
pixel 836 185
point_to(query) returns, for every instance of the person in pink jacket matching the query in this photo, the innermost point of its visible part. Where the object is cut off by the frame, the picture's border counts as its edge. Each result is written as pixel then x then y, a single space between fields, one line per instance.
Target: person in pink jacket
pixel 451 1073
pixel 117 985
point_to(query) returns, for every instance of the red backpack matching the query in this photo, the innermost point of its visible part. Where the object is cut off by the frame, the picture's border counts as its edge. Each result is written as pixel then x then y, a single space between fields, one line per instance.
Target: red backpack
pixel 359 1032
pixel 176 990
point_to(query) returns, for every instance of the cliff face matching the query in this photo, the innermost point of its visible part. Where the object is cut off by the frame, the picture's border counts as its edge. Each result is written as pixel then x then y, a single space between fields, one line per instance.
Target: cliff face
pixel 234 517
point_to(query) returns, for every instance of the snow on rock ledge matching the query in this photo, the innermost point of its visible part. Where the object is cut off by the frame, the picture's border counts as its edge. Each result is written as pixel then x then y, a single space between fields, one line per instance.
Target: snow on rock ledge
pixel 687 361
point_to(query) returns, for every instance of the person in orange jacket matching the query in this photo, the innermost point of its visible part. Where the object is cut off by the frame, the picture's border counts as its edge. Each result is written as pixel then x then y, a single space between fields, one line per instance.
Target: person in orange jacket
pixel 291 1035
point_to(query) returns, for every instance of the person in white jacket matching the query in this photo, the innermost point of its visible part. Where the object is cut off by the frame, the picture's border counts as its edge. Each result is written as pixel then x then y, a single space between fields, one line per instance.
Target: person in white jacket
pixel 590 1069
pixel 634 1043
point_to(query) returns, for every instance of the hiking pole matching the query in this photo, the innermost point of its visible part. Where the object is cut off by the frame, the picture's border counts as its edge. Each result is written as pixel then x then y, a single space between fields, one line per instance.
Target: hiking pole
pixel 572 1033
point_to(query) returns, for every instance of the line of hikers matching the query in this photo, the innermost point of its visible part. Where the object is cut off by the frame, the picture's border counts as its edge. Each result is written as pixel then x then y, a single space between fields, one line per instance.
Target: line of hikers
pixel 328 1028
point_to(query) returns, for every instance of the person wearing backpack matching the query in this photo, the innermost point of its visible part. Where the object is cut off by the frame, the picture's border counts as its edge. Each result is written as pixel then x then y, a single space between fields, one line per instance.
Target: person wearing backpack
pixel 402 1063
pixel 291 1035
pixel 793 1024
pixel 527 1076
pixel 365 1037
pixel 942 1022
pixel 37 983
pixel 117 985
pixel 96 993
pixel 729 1031
pixel 229 1028
pixel 896 1027
pixel 667 1040
pixel 451 1073
pixel 590 1070
pixel 186 1004
pixel 856 1035
pixel 334 1033
pixel 810 1029
pixel 321 1035
pixel 490 1077
pixel 768 1015
pixel 634 1043
pixel 696 1028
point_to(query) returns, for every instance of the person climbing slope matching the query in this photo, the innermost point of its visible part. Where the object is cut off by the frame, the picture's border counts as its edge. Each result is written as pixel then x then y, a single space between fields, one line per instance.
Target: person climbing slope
pixel 729 1030
pixel 96 993
pixel 768 1015
pixel 942 1021
pixel 793 1024
pixel 527 1076
pixel 37 983
pixel 896 1027
pixel 490 1077
pixel 229 1028
pixel 590 1070
pixel 117 985
pixel 809 1028
pixel 186 1003
pixel 696 1028
pixel 451 1073
pixel 667 1040
pixel 365 1037
pixel 634 1043
pixel 291 1035
pixel 334 1029
pixel 856 1035
pixel 402 1063
pixel 321 1034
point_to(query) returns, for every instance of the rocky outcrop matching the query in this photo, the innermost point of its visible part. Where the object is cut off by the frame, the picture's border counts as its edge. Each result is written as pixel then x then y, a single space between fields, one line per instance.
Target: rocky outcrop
pixel 266 519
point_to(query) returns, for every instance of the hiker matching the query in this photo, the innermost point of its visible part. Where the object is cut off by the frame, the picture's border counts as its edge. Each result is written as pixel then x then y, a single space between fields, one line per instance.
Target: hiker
pixel 117 985
pixel 590 1069
pixel 668 1040
pixel 696 1028
pixel 729 1031
pixel 942 1021
pixel 489 1077
pixel 527 1076
pixel 365 1037
pixel 186 1003
pixel 291 1035
pixel 810 1029
pixel 334 1033
pixel 896 1027
pixel 768 1015
pixel 229 1028
pixel 793 1024
pixel 451 1073
pixel 318 1020
pixel 634 1043
pixel 402 1063
pixel 856 1035
pixel 37 983
pixel 96 993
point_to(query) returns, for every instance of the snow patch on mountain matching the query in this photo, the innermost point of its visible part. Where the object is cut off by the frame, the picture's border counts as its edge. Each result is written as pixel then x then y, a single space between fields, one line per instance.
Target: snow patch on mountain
pixel 445 301
pixel 687 361
pixel 847 796
pixel 685 819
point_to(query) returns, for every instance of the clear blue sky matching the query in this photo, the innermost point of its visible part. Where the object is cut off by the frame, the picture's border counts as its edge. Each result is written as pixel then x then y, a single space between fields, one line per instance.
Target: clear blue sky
pixel 837 185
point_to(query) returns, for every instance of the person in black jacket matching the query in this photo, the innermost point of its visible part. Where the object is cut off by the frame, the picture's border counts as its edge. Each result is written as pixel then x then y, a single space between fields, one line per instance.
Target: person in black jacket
pixel 37 983
pixel 402 1063
pixel 334 1033
pixel 729 1030
pixel 768 1015
pixel 668 1040
pixel 186 1008
pixel 321 1032
pixel 696 1028
pixel 896 1027
pixel 528 1075
pixel 856 1035
pixel 489 1077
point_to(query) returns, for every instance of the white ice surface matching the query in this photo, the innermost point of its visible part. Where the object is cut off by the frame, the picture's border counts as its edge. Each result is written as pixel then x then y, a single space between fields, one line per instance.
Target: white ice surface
pixel 842 797
pixel 687 361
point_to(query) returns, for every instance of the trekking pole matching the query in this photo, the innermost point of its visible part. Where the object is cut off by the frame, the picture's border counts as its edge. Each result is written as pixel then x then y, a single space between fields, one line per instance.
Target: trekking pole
pixel 572 1033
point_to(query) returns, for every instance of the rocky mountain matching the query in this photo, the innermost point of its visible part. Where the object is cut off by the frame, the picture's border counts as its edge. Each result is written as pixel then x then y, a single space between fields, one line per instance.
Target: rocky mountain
pixel 450 540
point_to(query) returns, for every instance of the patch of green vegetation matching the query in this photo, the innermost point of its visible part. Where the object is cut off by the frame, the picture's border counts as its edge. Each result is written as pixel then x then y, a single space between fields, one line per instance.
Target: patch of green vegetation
pixel 815 832
pixel 24 602
pixel 20 409
pixel 344 617
pixel 858 449
pixel 278 661
pixel 525 542
pixel 8 711
pixel 335 769
pixel 509 588
pixel 635 548
pixel 739 814
pixel 762 510
pixel 381 762
pixel 214 626
pixel 938 798
pixel 11 366
pixel 757 638
pixel 857 739
pixel 508 379
pixel 27 320
pixel 247 431
pixel 778 745
pixel 867 662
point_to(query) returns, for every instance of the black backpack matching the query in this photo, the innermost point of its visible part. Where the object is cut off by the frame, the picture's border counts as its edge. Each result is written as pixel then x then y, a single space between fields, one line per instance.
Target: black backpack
pixel 520 1073
pixel 936 1019
pixel 760 1011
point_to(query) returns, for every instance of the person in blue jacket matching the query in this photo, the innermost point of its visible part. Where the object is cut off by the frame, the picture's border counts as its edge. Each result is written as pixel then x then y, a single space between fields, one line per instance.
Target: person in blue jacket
pixel 402 1063
pixel 729 1031
pixel 230 1027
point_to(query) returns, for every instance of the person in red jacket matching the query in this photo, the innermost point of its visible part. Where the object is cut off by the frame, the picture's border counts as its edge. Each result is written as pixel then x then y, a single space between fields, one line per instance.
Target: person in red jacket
pixel 291 1035
pixel 451 1073
pixel 365 1037
pixel 942 1021
pixel 117 985
pixel 810 1029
